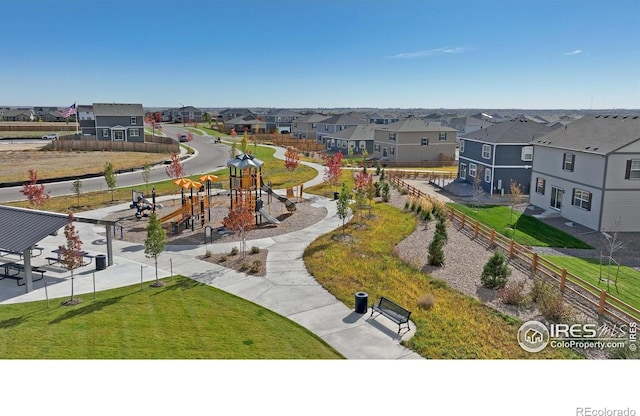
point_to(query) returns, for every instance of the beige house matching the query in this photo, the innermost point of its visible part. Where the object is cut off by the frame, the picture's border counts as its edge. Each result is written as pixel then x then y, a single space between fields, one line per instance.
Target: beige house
pixel 414 140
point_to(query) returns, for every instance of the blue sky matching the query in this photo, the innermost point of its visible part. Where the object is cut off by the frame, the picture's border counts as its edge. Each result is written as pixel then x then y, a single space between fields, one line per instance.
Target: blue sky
pixel 531 54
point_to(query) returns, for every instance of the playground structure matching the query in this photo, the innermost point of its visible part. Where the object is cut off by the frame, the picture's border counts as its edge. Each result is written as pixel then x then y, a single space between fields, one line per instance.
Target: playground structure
pixel 246 186
pixel 193 208
pixel 142 205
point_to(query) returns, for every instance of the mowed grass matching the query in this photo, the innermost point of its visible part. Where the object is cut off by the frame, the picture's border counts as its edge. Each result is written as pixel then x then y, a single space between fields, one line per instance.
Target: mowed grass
pixel 529 231
pixel 182 320
pixel 588 269
pixel 457 326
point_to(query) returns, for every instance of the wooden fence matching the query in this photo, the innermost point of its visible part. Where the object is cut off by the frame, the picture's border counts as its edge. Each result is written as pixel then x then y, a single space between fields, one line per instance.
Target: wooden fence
pixel 522 257
pixel 36 126
pixel 111 146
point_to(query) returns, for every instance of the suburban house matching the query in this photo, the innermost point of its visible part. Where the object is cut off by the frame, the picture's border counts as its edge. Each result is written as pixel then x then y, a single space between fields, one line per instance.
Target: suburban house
pixel 231 113
pixel 18 115
pixel 414 140
pixel 377 118
pixel 589 172
pixel 118 122
pixel 280 119
pixel 86 119
pixel 305 126
pixel 182 115
pixel 247 122
pixel 358 138
pixel 335 124
pixel 500 153
pixel 467 124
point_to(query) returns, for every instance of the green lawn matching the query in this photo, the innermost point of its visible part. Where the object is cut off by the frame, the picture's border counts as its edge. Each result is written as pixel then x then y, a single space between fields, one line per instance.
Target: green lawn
pixel 182 320
pixel 529 231
pixel 589 270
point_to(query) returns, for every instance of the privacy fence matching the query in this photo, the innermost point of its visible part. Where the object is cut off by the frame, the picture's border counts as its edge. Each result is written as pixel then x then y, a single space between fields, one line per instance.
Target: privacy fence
pixel 569 284
pixel 91 144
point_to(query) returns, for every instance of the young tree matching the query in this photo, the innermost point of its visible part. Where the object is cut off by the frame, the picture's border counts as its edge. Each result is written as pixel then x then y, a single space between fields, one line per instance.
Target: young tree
pixel 240 220
pixel 71 254
pixel 364 160
pixel 334 168
pixel 291 160
pixel 515 192
pixel 436 250
pixel 385 191
pixel 244 143
pixel 146 175
pixel 477 190
pixel 34 192
pixel 441 228
pixel 110 177
pixel 76 187
pixel 495 272
pixel 155 242
pixel 343 204
pixel 233 150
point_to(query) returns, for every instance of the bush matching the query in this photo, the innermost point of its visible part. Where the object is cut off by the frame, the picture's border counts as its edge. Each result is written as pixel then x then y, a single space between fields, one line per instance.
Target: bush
pixel 441 228
pixel 550 303
pixel 426 301
pixel 496 272
pixel 234 251
pixel 244 266
pixel 385 192
pixel 255 250
pixel 514 293
pixel 207 253
pixel 255 267
pixel 436 251
pixel 222 259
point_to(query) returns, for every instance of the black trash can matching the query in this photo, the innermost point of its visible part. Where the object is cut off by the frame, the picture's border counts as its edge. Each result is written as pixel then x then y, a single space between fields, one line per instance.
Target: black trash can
pixel 101 262
pixel 362 302
pixel 336 195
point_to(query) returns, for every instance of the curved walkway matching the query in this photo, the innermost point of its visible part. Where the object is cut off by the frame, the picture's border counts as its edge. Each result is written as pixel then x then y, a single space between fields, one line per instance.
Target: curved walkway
pixel 287 288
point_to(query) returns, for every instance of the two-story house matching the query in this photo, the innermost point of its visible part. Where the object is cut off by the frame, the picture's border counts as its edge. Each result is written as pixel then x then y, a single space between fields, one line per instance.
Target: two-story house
pixel 357 138
pixel 335 124
pixel 305 126
pixel 86 119
pixel 119 122
pixel 500 153
pixel 281 120
pixel 589 172
pixel 414 140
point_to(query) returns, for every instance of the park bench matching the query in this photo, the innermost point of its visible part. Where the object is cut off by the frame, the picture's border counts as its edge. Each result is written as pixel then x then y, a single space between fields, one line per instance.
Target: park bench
pixel 18 268
pixel 85 255
pixel 392 311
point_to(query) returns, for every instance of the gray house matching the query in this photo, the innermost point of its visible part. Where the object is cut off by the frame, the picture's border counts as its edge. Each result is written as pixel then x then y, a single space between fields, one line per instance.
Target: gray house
pixel 119 122
pixel 305 126
pixel 86 119
pixel 358 138
pixel 414 140
pixel 335 124
pixel 500 153
pixel 589 172
pixel 281 119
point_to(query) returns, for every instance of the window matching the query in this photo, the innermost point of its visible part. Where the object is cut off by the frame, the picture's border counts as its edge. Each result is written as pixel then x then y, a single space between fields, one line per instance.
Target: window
pixel 133 132
pixel 540 185
pixel 461 146
pixel 362 144
pixel 424 141
pixel 344 144
pixel 463 171
pixel 326 127
pixel 295 125
pixel 392 151
pixel 118 135
pixel 582 199
pixel 556 197
pixel 376 148
pixel 314 125
pixel 443 136
pixel 487 175
pixel 105 132
pixel 384 152
pixel 527 153
pixel 473 168
pixel 486 151
pixel 568 162
pixel 633 169
pixel 133 121
pixel 392 136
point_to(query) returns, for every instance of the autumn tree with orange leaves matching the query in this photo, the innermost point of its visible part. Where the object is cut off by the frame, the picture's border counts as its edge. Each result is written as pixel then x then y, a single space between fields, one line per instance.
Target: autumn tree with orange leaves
pixel 291 160
pixel 35 192
pixel 240 220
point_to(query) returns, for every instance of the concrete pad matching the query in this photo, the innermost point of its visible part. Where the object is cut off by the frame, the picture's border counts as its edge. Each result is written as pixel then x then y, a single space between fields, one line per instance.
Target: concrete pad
pixel 289 300
pixel 251 288
pixel 329 319
pixel 361 342
pixel 291 278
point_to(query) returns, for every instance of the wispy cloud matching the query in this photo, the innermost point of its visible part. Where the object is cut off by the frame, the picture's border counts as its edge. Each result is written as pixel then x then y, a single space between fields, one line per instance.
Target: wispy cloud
pixel 576 52
pixel 430 52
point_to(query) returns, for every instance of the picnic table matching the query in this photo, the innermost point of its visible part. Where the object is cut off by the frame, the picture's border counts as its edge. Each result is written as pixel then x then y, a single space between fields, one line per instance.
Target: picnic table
pixel 18 268
pixel 83 254
pixel 35 248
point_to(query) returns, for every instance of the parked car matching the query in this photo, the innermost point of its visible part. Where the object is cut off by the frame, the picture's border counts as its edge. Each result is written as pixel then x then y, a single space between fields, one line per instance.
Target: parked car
pixel 50 136
pixel 183 138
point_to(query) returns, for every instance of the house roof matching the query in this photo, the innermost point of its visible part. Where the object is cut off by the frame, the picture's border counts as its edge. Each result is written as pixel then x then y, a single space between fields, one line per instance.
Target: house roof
pixel 244 161
pixel 359 132
pixel 235 111
pixel 343 119
pixel 246 119
pixel 117 110
pixel 282 112
pixel 469 121
pixel 414 124
pixel 519 130
pixel 594 134
pixel 312 118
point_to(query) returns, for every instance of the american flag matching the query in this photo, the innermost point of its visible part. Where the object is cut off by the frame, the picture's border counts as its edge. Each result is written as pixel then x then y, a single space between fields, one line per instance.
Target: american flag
pixel 69 111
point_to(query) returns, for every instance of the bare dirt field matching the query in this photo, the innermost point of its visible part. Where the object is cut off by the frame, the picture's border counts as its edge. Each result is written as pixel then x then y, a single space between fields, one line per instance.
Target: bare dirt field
pixel 17 159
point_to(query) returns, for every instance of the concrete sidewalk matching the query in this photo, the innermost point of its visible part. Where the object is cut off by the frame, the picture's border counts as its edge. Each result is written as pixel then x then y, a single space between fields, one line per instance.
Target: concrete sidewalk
pixel 287 289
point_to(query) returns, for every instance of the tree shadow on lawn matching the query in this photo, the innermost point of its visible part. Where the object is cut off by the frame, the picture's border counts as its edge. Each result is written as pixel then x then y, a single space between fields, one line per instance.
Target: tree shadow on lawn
pixel 87 309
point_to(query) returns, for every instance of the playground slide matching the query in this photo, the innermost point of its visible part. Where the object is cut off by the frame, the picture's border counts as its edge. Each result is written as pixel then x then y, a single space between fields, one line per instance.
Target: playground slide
pixel 268 217
pixel 288 204
pixel 172 215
